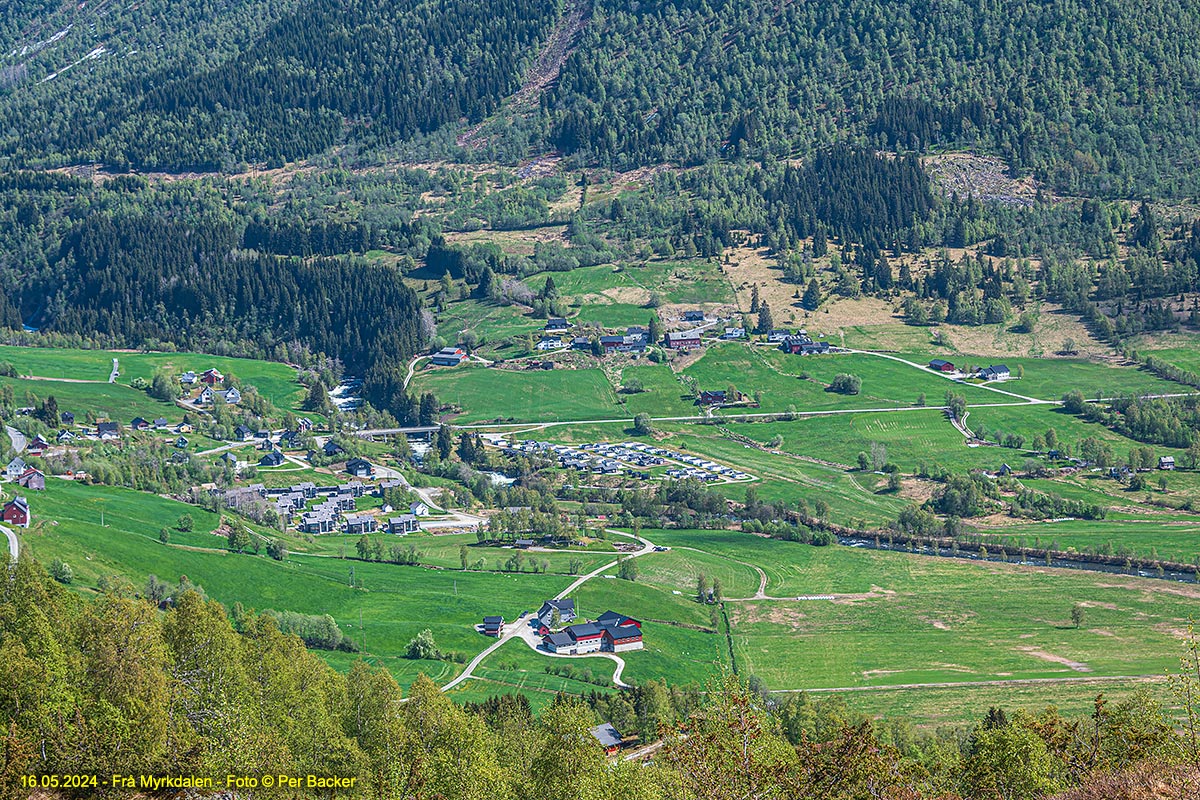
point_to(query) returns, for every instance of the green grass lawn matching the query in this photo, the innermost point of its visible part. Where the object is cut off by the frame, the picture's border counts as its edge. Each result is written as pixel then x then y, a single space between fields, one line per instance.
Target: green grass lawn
pixel 274 381
pixel 486 394
pixel 106 400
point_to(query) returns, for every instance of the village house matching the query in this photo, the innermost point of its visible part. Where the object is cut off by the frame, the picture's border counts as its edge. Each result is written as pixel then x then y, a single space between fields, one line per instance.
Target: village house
pixel 67 418
pixel 693 316
pixel 557 324
pixel 160 423
pixel 449 357
pixel 715 398
pixel 15 468
pixel 581 343
pixel 331 449
pixel 16 512
pixel 941 365
pixel 229 458
pixel 621 633
pixel 493 626
pixel 65 436
pixel 184 427
pixel 212 377
pixel 418 509
pixel 550 343
pixel 405 523
pixel 243 433
pixel 360 468
pixel 996 372
pixel 683 340
pixel 188 378
pixel 777 335
pixel 734 333
pixel 108 430
pixel 1166 462
pixel 232 396
pixel 271 459
pixel 205 397
pixel 32 479
pixel 181 442
pixel 565 608
pixel 139 424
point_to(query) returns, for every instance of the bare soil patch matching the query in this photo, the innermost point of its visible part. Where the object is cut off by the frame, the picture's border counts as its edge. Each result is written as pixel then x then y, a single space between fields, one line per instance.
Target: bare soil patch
pixel 1066 662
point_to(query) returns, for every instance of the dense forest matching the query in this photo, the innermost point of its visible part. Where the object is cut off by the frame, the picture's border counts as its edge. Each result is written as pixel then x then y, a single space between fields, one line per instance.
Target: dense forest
pixel 1091 96
pixel 161 681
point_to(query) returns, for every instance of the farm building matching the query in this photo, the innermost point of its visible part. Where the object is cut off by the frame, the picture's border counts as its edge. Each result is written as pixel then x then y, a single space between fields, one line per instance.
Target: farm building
pixel 941 365
pixel 621 633
pixel 575 640
pixel 16 512
pixel 449 357
pixel 683 340
pixel 212 377
pixel 32 479
pixel 1166 462
pixel 493 626
pixel 188 378
pixel 558 324
pixel 67 418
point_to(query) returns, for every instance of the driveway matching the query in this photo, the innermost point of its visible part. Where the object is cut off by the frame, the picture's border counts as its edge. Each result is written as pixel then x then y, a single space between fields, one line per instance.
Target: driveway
pixel 13 547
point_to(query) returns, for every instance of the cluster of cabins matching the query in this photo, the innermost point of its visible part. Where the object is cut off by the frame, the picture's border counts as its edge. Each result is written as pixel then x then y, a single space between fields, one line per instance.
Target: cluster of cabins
pixel 609 633
pixel 995 372
pixel 292 502
pixel 600 459
pixel 208 381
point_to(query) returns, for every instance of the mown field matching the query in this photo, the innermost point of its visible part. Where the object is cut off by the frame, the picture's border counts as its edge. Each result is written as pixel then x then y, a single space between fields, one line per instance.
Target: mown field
pixel 274 381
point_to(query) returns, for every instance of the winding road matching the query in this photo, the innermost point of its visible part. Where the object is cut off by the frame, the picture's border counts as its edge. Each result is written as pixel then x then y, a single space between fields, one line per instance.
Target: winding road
pixel 520 627
pixel 13 545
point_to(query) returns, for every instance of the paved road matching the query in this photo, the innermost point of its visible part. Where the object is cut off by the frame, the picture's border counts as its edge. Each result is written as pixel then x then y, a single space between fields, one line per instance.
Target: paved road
pixel 112 377
pixel 17 438
pixel 13 546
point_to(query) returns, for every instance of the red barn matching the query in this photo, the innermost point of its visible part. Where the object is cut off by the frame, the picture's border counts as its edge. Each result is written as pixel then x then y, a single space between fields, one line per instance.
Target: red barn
pixel 16 512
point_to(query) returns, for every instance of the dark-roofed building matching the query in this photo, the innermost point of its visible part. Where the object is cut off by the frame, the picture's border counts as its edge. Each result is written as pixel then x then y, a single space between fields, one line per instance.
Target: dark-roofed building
pixel 586 637
pixel 558 324
pixel 243 433
pixel 331 449
pixel 405 523
pixel 693 316
pixel 565 608
pixel 996 372
pixel 271 459
pixel 449 357
pixel 67 418
pixel 360 468
pixel 108 430
pixel 713 398
pixel 363 524
pixel 941 365
pixel 493 626
pixel 139 424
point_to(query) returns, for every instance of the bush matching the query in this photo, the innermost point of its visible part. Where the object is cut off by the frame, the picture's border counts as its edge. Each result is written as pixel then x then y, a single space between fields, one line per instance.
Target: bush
pixel 423 647
pixel 844 383
pixel 61 571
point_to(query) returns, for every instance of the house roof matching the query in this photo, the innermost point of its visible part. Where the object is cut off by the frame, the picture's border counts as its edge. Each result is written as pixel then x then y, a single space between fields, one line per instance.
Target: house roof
pixel 606 735
pixel 357 462
pixel 584 630
pixel 566 604
pixel 938 362
pixel 682 336
pixel 493 620
pixel 612 618
pixel 559 639
pixel 19 502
